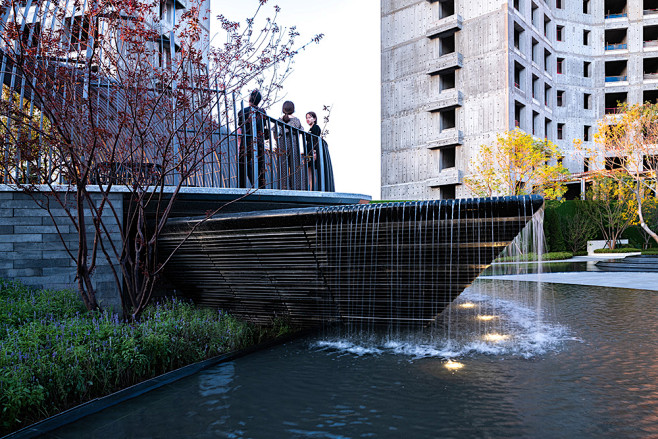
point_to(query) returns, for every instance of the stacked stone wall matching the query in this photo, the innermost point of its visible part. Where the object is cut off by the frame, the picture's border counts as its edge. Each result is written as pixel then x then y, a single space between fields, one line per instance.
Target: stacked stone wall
pixel 31 249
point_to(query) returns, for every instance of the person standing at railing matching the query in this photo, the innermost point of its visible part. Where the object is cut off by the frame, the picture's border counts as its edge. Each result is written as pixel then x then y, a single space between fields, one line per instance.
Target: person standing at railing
pixel 252 126
pixel 312 147
pixel 288 144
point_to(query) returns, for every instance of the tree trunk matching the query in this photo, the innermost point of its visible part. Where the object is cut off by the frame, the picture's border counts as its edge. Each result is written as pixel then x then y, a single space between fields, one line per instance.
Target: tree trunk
pixel 639 212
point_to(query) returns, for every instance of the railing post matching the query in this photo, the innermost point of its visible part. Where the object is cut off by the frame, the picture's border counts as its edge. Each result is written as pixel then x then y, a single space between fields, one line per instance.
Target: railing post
pixel 321 186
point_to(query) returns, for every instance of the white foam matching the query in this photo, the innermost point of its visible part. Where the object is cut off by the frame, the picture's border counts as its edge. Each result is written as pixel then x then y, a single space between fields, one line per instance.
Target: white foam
pixel 526 334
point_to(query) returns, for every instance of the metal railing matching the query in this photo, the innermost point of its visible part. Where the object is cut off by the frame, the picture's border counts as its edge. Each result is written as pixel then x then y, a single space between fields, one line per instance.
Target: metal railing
pixel 617 15
pixel 234 147
pixel 616 78
pixel 650 43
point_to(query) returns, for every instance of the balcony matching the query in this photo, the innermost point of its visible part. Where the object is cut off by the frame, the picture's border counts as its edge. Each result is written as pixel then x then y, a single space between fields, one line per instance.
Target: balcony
pixel 447 99
pixel 450 61
pixel 447 177
pixel 445 25
pixel 447 138
pixel 651 12
pixel 650 43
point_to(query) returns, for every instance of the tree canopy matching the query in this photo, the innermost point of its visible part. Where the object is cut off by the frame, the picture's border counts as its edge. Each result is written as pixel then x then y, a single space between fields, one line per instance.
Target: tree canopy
pixel 517 164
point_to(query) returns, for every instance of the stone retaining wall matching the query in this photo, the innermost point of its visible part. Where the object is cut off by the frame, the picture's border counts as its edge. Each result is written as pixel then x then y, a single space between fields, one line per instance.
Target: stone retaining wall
pixel 32 251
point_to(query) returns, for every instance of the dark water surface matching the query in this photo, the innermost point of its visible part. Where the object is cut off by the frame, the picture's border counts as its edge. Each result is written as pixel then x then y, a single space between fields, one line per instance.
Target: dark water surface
pixel 582 363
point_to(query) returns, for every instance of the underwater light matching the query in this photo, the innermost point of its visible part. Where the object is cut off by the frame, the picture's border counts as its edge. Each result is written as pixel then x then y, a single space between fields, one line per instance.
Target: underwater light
pixel 486 318
pixel 467 305
pixel 495 337
pixel 453 365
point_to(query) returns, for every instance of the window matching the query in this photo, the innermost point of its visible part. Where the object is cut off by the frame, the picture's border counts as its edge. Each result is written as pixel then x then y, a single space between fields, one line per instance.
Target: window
pixel 535 50
pixel 560 160
pixel 547 26
pixel 560 66
pixel 560 98
pixel 448 119
pixel 560 131
pixel 587 101
pixel 586 7
pixel 519 113
pixel 586 164
pixel 447 158
pixel 586 133
pixel 586 34
pixel 558 4
pixel 448 192
pixel 535 86
pixel 446 8
pixel 547 95
pixel 614 163
pixel 517 5
pixel 547 59
pixel 559 33
pixel 446 44
pixel 547 129
pixel 447 80
pixel 587 67
pixel 79 32
pixel 535 15
pixel 518 36
pixel 519 73
pixel 535 119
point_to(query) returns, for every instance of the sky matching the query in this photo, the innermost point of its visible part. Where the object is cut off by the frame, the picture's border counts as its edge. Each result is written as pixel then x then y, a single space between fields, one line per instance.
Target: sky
pixel 342 71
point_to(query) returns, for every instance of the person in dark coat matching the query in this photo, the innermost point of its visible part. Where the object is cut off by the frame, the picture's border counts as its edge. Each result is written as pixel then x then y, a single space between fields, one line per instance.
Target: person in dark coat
pixel 312 147
pixel 288 143
pixel 247 118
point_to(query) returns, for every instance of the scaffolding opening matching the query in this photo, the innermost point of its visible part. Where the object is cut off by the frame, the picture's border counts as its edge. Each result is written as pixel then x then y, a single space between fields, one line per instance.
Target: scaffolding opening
pixel 615 8
pixel 612 101
pixel 650 36
pixel 616 71
pixel 616 39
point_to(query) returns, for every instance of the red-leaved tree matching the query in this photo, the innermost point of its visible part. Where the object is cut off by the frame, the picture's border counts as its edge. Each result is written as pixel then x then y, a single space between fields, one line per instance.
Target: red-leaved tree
pixel 107 97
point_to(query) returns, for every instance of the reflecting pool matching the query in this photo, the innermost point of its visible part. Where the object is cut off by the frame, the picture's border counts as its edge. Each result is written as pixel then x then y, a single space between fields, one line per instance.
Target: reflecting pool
pixel 580 362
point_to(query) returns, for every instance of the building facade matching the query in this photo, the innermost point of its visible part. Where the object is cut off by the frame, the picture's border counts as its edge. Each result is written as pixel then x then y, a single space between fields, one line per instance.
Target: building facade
pixel 456 73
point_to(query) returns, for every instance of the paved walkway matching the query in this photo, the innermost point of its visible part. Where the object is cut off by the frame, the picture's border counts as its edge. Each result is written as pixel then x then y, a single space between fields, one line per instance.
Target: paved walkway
pixel 634 280
pixel 638 281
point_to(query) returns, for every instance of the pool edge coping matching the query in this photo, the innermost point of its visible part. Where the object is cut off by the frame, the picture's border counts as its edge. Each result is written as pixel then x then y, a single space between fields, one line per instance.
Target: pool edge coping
pixel 99 404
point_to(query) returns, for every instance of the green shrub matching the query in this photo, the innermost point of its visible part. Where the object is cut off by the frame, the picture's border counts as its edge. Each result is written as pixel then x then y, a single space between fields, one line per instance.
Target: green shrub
pixel 618 250
pixel 650 251
pixel 583 253
pixel 53 358
pixel 20 304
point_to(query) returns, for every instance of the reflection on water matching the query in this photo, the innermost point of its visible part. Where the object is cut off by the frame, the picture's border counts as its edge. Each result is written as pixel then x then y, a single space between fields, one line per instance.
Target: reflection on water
pixel 586 367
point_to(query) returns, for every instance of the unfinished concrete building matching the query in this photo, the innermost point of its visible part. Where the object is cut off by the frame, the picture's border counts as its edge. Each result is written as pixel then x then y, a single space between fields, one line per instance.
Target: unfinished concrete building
pixel 455 73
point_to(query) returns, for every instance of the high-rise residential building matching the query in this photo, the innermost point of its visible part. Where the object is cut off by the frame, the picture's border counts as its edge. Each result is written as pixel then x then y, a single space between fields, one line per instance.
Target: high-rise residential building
pixel 456 73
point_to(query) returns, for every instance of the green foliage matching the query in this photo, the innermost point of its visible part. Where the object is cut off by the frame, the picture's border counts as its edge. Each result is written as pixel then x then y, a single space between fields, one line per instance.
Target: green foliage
pixel 552 229
pixel 53 356
pixel 551 256
pixel 566 226
pixel 618 250
pixel 20 304
pixel 651 251
pixel 517 164
pixel 581 253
